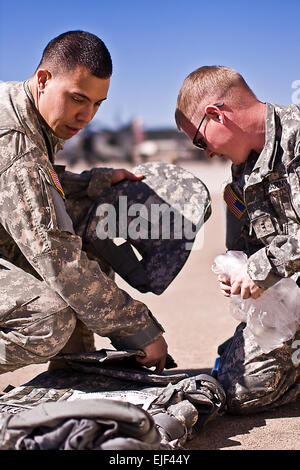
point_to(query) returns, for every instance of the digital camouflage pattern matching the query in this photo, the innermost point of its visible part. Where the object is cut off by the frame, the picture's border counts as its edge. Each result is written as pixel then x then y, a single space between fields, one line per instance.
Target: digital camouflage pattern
pixel 38 236
pixel 35 322
pixel 169 205
pixel 269 233
pixel 178 406
pixel 269 184
pixel 255 381
pixel 80 425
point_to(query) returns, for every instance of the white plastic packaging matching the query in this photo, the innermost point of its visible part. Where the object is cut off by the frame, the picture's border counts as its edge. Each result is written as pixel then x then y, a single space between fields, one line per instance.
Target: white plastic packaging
pixel 271 319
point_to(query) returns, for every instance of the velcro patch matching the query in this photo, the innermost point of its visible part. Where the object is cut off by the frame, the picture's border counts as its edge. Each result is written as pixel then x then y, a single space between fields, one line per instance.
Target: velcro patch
pixel 56 181
pixel 234 203
pixel 263 226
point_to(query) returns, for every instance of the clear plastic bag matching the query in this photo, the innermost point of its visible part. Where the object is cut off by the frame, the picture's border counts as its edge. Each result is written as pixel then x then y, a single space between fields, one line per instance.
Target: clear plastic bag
pixel 274 317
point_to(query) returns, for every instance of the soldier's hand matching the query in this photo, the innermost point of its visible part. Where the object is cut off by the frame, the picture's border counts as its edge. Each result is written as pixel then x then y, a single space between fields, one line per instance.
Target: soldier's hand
pixel 156 354
pixel 225 285
pixel 241 283
pixel 122 174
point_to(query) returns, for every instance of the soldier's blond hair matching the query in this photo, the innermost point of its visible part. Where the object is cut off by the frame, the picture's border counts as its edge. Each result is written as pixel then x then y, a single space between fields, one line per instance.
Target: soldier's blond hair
pixel 211 83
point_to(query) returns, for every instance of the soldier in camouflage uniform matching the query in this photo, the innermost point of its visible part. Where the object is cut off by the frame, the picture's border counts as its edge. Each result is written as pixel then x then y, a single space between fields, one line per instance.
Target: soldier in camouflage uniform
pixel 223 117
pixel 50 289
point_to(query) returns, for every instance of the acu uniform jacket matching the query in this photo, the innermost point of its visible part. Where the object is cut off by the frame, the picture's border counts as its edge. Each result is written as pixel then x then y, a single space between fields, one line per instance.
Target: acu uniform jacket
pixel 263 199
pixel 36 229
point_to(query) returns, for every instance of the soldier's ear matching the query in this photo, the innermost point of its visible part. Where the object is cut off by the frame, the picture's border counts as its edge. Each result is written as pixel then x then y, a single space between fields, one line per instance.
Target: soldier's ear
pixel 215 113
pixel 43 76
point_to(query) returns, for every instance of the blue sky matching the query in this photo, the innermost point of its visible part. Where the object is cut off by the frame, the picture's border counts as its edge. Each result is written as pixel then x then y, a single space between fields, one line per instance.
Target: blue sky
pixel 155 43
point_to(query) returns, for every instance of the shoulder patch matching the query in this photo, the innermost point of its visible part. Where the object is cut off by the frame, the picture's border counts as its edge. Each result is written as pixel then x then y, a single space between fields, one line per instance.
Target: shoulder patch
pixel 234 203
pixel 56 181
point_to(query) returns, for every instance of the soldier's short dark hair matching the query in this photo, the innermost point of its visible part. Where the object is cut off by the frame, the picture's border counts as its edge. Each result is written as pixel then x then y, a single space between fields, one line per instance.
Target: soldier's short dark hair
pixel 74 48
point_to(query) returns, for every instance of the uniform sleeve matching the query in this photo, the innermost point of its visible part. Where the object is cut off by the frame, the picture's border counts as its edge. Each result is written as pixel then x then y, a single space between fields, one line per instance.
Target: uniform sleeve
pixel 33 213
pixel 90 183
pixel 281 257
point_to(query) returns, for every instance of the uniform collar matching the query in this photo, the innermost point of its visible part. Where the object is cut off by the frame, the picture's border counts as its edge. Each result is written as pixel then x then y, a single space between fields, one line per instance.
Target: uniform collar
pixel 265 162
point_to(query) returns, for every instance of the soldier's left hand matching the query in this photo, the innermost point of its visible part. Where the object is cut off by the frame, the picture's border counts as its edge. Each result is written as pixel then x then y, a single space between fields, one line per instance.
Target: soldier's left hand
pixel 122 174
pixel 225 285
pixel 241 283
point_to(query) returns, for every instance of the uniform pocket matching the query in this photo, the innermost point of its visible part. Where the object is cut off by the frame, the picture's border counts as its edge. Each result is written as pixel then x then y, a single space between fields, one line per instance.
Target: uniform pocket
pixel 46 218
pixel 18 315
pixel 18 289
pixel 279 194
pixel 55 212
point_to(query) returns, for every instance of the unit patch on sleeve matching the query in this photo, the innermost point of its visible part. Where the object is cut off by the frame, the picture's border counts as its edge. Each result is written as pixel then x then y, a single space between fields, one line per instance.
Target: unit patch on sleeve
pixel 234 203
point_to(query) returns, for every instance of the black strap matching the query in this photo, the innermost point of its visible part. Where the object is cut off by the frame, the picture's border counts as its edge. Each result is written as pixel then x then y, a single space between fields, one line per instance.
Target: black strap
pixel 124 262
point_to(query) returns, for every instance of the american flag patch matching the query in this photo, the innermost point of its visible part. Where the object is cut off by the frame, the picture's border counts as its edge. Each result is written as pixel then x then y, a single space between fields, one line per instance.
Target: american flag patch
pixel 234 203
pixel 56 181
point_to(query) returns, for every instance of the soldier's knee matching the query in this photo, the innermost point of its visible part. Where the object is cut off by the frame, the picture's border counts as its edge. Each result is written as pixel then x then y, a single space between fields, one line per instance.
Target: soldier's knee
pixel 237 405
pixel 56 331
pixel 252 396
pixel 240 400
pixel 49 335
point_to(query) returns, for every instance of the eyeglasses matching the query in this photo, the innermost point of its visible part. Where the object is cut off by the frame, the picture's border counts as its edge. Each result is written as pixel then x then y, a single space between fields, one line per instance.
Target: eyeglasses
pixel 200 143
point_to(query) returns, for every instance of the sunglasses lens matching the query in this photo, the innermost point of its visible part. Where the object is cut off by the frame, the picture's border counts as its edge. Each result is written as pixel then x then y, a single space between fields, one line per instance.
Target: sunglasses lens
pixel 200 144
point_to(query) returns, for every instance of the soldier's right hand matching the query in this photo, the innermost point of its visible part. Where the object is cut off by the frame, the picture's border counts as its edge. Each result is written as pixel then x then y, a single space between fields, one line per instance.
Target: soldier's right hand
pixel 156 355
